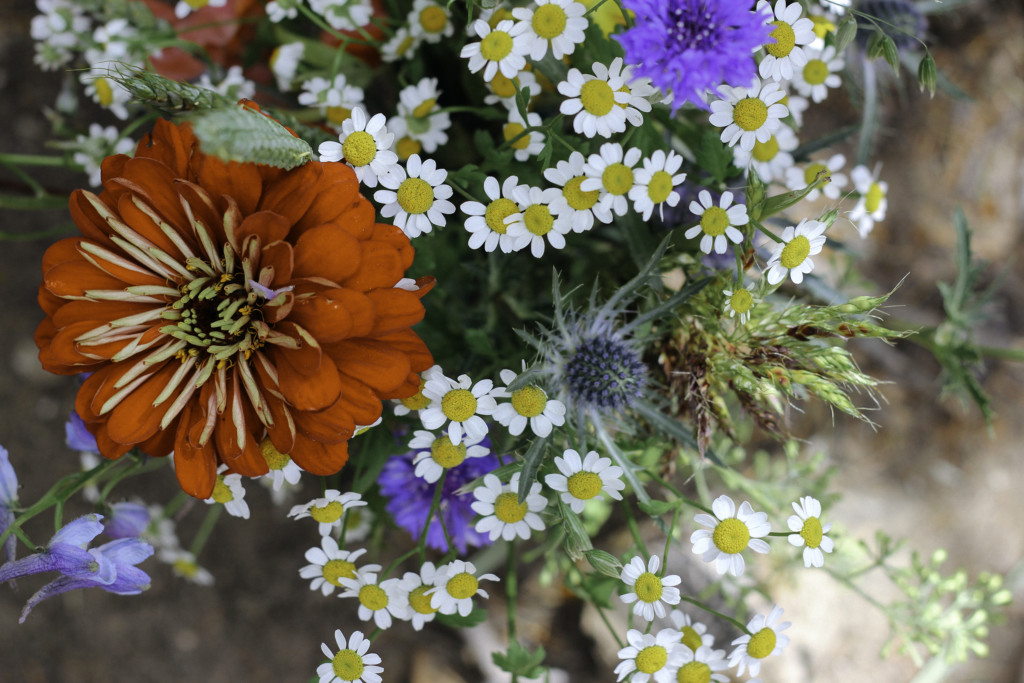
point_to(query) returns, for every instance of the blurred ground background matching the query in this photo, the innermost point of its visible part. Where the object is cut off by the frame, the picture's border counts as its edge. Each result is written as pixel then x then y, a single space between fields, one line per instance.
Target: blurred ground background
pixel 931 472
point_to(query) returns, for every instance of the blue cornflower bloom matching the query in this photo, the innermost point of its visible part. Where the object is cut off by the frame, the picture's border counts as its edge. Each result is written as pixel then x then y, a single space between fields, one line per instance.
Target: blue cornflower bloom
pixel 8 501
pixel 410 498
pixel 77 436
pixel 688 47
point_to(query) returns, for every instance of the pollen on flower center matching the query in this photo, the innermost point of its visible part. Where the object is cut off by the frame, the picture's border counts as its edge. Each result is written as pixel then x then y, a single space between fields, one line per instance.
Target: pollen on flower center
pixel 276 460
pixel 446 454
pixel 424 107
pixel 420 602
pixel 327 514
pixel 750 113
pixel 660 186
pixel 538 219
pixel 511 131
pixel 496 46
pixel 691 638
pixel 651 659
pixel 617 178
pixel 741 301
pixel 785 40
pixel 873 199
pixel 221 492
pixel 213 314
pixel 714 221
pixel 584 485
pixel 347 665
pixel 433 19
pixel 648 587
pixel 597 97
pixel 577 199
pixel 335 570
pixel 373 597
pixel 338 115
pixel 508 509
pixel 766 151
pixel 795 252
pixel 529 401
pixel 415 195
pixel 731 536
pixel 496 213
pixel 815 71
pixel 549 21
pixel 812 532
pixel 458 405
pixel 694 672
pixel 461 586
pixel 359 148
pixel 762 643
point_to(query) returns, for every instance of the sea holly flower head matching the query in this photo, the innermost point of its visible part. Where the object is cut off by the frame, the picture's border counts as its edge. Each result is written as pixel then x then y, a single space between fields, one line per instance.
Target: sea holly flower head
pixel 765 638
pixel 650 592
pixel 729 533
pixel 352 662
pixel 809 532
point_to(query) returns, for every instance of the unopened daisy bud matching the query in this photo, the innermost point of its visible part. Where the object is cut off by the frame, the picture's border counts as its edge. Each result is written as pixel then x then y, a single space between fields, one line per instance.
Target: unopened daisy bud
pixel 604 562
pixel 846 31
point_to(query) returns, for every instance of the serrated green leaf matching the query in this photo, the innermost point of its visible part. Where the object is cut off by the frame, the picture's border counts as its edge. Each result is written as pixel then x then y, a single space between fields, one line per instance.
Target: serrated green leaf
pixel 713 156
pixel 520 661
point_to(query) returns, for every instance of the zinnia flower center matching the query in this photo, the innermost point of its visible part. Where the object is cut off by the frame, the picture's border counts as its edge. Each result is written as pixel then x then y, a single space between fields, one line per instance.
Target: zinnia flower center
pixel 750 113
pixel 511 131
pixel 359 148
pixel 373 597
pixel 538 219
pixel 415 195
pixel 795 252
pixel 694 672
pixel 812 532
pixel 714 221
pixel 577 199
pixel 529 401
pixel 433 19
pixel 766 151
pixel 651 659
pixel 458 405
pixel 731 536
pixel 549 21
pixel 617 178
pixel 815 71
pixel 648 587
pixel 496 46
pixel 335 570
pixel 762 643
pixel 461 586
pixel 420 602
pixel 496 213
pixel 347 665
pixel 785 40
pixel 597 97
pixel 660 186
pixel 584 485
pixel 446 454
pixel 508 509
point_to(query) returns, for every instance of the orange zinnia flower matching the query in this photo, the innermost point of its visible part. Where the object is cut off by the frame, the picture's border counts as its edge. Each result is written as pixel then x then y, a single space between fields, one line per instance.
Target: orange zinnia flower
pixel 222 305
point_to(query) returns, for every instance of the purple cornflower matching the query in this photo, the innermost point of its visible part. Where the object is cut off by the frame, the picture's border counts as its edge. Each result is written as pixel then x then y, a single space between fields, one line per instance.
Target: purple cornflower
pixel 410 498
pixel 688 47
pixel 77 437
pixel 8 500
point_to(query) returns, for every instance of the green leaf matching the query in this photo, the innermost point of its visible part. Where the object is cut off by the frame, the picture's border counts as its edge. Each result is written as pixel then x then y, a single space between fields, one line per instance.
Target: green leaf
pixel 520 661
pixel 531 463
pixel 714 156
pixel 598 589
pixel 577 541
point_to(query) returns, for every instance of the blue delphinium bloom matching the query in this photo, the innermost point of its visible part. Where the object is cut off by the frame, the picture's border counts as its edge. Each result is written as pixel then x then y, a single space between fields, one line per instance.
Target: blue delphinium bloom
pixel 410 498
pixel 8 501
pixel 687 47
pixel 126 520
pixel 77 437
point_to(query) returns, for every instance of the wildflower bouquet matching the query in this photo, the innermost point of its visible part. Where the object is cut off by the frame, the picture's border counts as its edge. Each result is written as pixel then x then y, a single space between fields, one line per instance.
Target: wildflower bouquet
pixel 475 287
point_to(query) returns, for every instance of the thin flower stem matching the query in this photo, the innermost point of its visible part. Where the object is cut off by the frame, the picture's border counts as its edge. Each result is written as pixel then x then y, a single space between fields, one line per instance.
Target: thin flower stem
pixel 32 160
pixel 402 558
pixel 615 634
pixel 668 540
pixel 679 496
pixel 735 622
pixel 635 531
pixel 511 590
pixel 205 529
pixel 435 506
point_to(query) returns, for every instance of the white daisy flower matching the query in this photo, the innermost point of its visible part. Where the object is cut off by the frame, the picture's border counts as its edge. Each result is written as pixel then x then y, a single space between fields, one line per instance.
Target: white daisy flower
pixel 486 224
pixel 765 639
pixel 611 173
pixel 105 91
pixel 569 175
pixel 717 223
pixel 59 28
pixel 282 467
pixel 344 15
pixel 809 532
pixel 455 586
pixel 798 178
pixel 429 21
pixel 740 301
pixel 591 101
pixel 186 7
pixel 100 143
pixel 352 663
pixel 435 454
pixel 771 159
pixel 417 401
pixel 702 664
pixel 329 564
pixel 873 202
pixel 558 23
pixel 730 534
pixel 694 633
pixel 184 564
pixel 335 98
pixel 797 106
pixel 279 10
pixel 327 510
pixel 419 115
pixel 501 49
pixel 229 492
pixel 503 90
pixel 284 62
pixel 401 46
pixel 417 202
pixel 529 405
pixel 502 514
pixel 233 85
pixel 638 90
pixel 365 145
pixel 792 31
pixel 583 479
pixel 460 404
pixel 820 73
pixel 417 587
pixel 526 145
pixel 650 592
pixel 799 243
pixel 656 183
pixel 540 218
pixel 650 657
pixel 378 600
pixel 748 115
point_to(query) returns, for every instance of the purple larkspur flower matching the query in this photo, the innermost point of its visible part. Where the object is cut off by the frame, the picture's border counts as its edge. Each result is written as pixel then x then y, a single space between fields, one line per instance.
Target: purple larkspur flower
pixel 410 498
pixel 77 436
pixel 688 47
pixel 127 520
pixel 8 501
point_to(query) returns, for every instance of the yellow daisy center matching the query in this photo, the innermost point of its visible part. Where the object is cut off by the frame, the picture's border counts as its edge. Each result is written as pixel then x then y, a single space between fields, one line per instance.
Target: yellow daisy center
pixel 458 405
pixel 549 21
pixel 337 115
pixel 373 597
pixel 822 25
pixel 496 46
pixel 660 186
pixel 714 221
pixel 197 4
pixel 222 492
pixel 424 107
pixel 812 171
pixel 597 97
pixel 651 659
pixel 499 16
pixel 446 454
pixel 327 514
pixel 508 509
pixel 731 536
pixel 761 644
pixel 276 460
pixel 766 151
pixel 415 195
pixel 815 71
pixel 617 178
pixel 584 485
pixel 694 672
pixel 186 568
pixel 496 213
pixel 511 131
pixel 873 199
pixel 417 401
pixel 577 199
pixel 461 586
pixel 502 86
pixel 741 301
pixel 750 113
pixel 785 40
pixel 538 219
pixel 691 638
pixel 406 147
pixel 795 252
pixel 336 570
pixel 529 401
pixel 433 19
pixel 104 92
pixel 405 45
pixel 420 602
pixel 648 587
pixel 347 665
pixel 359 148
pixel 812 532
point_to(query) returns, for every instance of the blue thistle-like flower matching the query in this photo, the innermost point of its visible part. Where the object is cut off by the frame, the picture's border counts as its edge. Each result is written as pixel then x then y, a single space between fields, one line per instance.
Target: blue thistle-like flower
pixel 605 373
pixel 687 47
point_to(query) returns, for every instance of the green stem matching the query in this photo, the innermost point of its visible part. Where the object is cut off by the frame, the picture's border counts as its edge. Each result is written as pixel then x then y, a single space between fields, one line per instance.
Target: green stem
pixel 668 540
pixel 608 624
pixel 635 531
pixel 32 160
pixel 205 529
pixel 401 558
pixel 732 620
pixel 435 506
pixel 511 590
